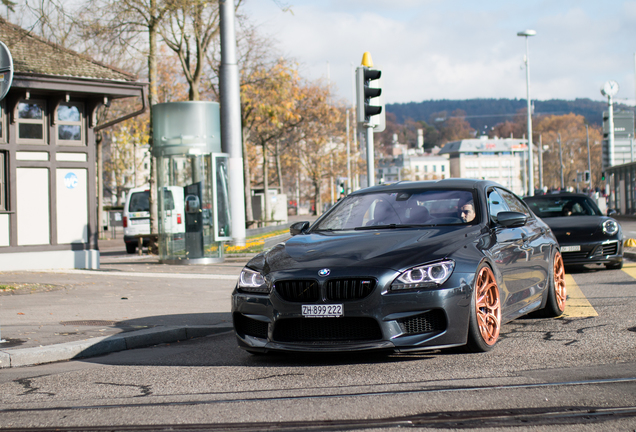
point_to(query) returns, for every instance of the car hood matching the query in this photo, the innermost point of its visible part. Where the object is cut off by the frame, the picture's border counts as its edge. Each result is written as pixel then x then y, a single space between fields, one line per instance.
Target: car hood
pixel 576 226
pixel 389 248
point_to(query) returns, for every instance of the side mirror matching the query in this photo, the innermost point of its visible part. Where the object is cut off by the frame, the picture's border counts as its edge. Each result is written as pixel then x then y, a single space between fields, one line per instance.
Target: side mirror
pixel 298 228
pixel 612 212
pixel 510 219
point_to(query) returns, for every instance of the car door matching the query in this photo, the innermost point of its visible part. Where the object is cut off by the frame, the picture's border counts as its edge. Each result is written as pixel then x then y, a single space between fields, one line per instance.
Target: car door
pixel 537 249
pixel 509 254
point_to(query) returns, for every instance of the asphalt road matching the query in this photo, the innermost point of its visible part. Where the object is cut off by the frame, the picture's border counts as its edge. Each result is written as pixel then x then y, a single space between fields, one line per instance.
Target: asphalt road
pixel 577 373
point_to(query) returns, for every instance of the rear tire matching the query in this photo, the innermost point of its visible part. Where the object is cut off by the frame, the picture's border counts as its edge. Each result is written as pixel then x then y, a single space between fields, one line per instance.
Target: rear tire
pixel 130 248
pixel 557 293
pixel 485 312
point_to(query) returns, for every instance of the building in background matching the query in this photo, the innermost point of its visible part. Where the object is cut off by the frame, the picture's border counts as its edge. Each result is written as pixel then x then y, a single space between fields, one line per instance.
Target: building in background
pixel 500 160
pixel 623 138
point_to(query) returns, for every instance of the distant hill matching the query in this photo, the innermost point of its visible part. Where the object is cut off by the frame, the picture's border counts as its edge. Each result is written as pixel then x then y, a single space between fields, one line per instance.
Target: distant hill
pixel 481 113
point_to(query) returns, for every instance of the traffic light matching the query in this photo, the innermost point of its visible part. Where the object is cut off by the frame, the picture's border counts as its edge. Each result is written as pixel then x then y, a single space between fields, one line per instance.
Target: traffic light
pixel 586 176
pixel 369 98
pixel 603 176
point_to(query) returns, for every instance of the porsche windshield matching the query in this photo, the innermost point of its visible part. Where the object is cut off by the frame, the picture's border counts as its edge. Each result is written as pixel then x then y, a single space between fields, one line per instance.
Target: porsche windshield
pixel 401 209
pixel 546 206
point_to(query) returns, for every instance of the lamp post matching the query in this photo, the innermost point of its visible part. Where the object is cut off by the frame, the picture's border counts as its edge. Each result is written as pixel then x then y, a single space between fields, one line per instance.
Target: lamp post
pixel 526 34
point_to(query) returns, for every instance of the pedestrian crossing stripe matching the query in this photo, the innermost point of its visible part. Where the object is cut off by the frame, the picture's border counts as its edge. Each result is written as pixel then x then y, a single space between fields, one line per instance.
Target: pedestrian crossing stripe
pixel 577 304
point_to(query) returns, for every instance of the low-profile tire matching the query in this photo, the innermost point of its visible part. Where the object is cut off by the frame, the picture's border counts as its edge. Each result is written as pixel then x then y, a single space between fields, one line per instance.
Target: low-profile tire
pixel 485 312
pixel 557 293
pixel 615 266
pixel 130 248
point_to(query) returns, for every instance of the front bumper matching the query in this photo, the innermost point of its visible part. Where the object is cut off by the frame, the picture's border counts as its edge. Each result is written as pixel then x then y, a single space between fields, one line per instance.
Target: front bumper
pixel 605 252
pixel 399 321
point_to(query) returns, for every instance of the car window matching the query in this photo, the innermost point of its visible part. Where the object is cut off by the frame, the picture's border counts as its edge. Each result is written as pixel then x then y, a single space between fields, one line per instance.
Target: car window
pixel 496 204
pixel 514 203
pixel 168 200
pixel 140 201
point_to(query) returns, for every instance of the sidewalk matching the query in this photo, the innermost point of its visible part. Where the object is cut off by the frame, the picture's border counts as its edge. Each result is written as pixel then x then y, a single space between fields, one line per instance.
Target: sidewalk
pixel 132 301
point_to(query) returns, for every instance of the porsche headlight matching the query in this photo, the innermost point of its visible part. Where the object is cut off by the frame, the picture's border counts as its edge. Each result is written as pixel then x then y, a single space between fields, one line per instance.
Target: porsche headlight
pixel 252 281
pixel 610 227
pixel 425 276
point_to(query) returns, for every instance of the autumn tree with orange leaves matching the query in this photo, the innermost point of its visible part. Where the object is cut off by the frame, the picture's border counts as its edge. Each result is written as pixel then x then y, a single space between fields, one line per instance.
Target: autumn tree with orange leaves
pixel 571 127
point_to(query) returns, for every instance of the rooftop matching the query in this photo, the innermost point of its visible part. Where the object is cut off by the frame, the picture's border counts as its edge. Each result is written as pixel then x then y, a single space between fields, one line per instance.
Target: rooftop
pixel 34 55
pixel 478 145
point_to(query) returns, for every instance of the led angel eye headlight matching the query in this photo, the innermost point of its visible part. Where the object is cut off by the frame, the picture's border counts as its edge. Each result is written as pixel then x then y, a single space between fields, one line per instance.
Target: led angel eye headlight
pixel 610 227
pixel 252 281
pixel 424 276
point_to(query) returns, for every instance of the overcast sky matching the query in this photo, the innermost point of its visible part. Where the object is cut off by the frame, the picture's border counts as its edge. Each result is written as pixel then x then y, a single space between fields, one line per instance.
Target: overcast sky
pixel 460 49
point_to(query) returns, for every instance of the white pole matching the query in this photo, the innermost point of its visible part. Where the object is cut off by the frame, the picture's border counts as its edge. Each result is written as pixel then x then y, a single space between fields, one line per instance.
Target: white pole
pixel 611 130
pixel 231 140
pixel 348 190
pixel 530 155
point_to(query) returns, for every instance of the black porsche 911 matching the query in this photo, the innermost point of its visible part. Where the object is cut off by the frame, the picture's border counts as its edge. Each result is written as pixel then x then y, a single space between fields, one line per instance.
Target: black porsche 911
pixel 585 235
pixel 403 266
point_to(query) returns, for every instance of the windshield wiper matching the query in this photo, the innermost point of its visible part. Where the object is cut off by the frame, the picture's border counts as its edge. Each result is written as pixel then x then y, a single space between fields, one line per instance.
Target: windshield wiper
pixel 390 226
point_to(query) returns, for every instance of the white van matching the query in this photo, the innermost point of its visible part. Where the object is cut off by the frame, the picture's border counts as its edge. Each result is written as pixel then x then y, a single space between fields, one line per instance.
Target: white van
pixel 137 214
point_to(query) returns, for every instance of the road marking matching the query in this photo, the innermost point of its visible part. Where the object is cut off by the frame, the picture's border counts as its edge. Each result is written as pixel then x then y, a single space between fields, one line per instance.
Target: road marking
pixel 576 304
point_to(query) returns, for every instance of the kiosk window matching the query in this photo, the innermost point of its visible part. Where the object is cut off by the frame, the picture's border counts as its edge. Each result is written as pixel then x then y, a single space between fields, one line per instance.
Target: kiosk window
pixel 31 116
pixel 69 124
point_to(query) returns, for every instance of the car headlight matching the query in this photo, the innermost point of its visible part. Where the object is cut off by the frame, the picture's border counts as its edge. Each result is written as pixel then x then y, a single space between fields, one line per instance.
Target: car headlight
pixel 253 281
pixel 610 227
pixel 424 276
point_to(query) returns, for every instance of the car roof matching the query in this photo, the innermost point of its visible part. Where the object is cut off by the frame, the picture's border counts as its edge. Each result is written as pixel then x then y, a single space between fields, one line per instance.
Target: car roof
pixel 451 183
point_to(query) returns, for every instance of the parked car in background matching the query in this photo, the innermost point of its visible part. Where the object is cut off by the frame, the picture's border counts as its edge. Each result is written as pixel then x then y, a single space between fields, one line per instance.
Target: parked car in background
pixel 585 235
pixel 404 266
pixel 136 217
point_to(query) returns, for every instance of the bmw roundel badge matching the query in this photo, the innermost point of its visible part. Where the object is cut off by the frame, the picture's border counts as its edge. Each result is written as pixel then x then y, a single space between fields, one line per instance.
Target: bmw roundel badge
pixel 324 272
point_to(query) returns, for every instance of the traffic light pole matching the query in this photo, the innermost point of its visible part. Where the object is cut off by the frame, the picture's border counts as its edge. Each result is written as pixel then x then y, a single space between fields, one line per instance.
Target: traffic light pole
pixel 370 156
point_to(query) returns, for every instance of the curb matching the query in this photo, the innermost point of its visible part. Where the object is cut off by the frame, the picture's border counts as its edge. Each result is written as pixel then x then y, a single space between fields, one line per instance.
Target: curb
pixel 105 345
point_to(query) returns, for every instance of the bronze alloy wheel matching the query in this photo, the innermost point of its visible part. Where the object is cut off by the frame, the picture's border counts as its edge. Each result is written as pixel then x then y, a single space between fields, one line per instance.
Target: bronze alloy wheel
pixel 559 281
pixel 488 306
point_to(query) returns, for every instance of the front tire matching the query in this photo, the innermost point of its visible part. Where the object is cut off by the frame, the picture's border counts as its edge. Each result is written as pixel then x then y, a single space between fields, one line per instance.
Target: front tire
pixel 485 312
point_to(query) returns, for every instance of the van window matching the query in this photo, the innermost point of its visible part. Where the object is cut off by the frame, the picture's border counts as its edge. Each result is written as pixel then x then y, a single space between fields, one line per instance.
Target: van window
pixel 140 201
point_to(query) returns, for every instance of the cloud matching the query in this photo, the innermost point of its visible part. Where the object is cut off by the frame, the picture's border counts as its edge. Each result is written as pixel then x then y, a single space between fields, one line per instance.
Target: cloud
pixel 434 50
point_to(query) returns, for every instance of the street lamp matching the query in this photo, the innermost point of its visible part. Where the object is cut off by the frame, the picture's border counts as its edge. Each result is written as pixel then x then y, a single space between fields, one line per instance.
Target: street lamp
pixel 526 34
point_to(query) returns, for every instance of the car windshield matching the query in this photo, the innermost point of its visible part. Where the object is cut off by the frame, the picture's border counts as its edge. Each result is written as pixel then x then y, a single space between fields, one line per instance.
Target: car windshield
pixel 400 209
pixel 546 206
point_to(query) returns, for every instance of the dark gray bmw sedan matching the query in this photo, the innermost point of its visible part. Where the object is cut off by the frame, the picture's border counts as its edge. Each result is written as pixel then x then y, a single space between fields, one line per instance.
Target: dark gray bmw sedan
pixel 404 266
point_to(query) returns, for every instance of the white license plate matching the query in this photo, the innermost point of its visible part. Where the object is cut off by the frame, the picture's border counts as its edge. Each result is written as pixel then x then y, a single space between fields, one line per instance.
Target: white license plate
pixel 322 311
pixel 570 248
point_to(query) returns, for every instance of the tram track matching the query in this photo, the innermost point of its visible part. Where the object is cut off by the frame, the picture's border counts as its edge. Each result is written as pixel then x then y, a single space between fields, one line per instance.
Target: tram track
pixel 439 420
pixel 140 403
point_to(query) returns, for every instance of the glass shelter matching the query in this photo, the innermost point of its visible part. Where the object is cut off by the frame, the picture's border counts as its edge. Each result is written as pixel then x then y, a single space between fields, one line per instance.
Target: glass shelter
pixel 192 182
